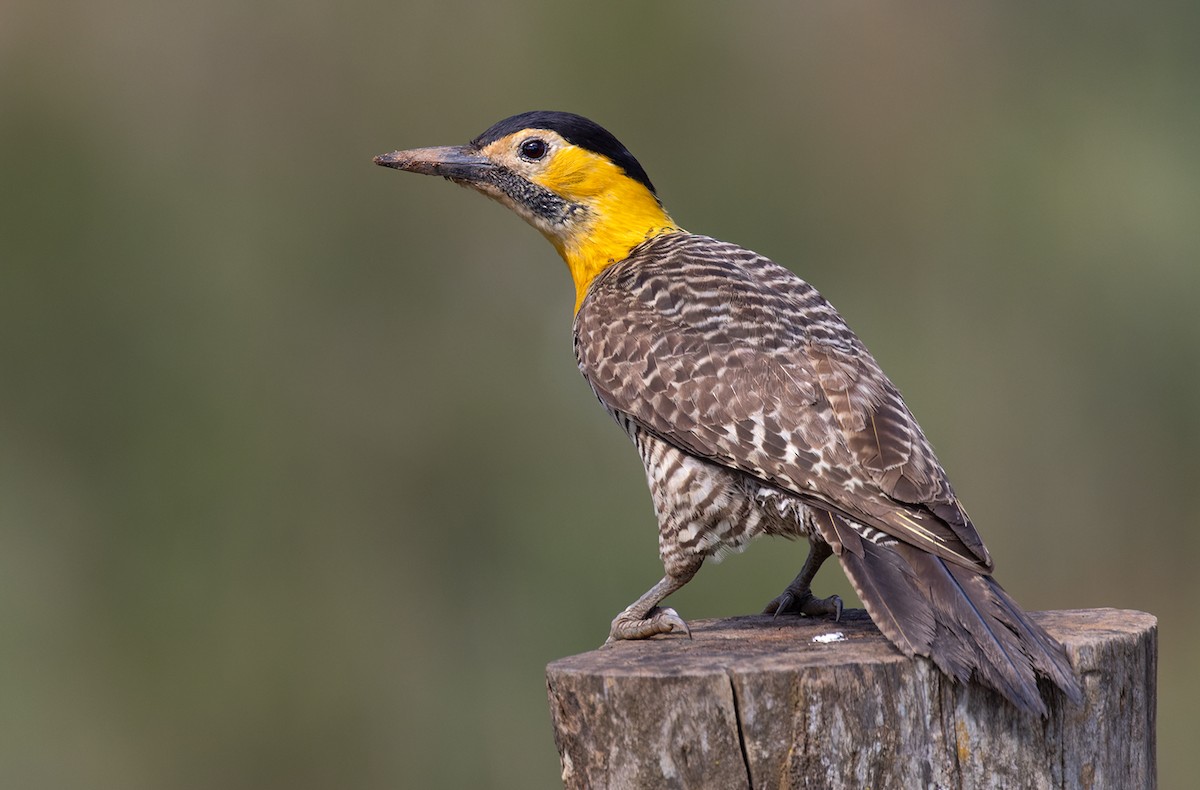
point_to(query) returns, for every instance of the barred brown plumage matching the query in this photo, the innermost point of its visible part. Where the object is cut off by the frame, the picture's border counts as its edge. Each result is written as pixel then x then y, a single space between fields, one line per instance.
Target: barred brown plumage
pixel 733 368
pixel 755 410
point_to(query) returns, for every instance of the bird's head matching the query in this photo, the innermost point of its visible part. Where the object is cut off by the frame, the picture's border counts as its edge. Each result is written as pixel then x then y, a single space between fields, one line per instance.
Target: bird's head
pixel 567 176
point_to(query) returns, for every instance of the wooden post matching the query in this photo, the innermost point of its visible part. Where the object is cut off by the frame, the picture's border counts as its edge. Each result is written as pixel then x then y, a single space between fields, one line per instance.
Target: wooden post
pixel 753 702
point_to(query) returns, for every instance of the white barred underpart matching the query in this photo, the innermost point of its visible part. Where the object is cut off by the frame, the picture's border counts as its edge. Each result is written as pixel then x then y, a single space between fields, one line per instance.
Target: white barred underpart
pixel 708 511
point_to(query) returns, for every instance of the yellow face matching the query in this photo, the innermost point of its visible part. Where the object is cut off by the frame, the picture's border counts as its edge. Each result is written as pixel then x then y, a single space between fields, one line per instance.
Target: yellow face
pixel 590 210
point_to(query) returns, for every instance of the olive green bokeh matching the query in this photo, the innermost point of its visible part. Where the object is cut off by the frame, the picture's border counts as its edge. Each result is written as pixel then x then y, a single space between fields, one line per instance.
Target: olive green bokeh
pixel 299 487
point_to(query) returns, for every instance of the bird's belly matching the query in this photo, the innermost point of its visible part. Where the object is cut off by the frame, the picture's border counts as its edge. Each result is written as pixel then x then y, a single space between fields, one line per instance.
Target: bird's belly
pixel 708 510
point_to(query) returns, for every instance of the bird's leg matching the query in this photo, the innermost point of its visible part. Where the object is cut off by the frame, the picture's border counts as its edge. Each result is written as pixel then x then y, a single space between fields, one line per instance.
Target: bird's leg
pixel 798 597
pixel 643 618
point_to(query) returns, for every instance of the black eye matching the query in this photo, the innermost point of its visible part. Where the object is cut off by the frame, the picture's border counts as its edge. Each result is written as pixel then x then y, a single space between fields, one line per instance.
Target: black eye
pixel 533 148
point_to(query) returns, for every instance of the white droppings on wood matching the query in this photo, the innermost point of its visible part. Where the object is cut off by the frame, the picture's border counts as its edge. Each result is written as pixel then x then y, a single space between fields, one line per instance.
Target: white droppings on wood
pixel 824 639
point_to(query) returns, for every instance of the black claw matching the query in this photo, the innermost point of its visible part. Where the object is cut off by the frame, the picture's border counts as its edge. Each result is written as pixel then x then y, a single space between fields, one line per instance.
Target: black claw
pixel 783 603
pixel 806 605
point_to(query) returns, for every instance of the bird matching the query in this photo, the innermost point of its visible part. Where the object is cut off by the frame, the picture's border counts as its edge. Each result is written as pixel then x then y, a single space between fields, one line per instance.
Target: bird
pixel 755 410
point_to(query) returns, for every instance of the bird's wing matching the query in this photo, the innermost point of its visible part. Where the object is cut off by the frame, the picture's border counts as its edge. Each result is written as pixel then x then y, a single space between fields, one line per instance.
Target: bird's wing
pixel 734 359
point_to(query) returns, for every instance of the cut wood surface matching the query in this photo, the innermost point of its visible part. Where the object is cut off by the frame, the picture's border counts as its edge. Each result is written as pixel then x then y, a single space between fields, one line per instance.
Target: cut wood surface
pixel 752 702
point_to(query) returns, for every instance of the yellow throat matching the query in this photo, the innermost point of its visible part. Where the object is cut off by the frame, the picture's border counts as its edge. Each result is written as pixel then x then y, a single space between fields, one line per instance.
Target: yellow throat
pixel 620 213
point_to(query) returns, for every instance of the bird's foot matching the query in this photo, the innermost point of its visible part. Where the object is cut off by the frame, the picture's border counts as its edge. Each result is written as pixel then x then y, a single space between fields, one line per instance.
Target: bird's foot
pixel 658 620
pixel 802 601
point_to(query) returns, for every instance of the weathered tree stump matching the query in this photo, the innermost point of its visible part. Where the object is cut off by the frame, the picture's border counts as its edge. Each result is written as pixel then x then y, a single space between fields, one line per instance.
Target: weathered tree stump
pixel 753 702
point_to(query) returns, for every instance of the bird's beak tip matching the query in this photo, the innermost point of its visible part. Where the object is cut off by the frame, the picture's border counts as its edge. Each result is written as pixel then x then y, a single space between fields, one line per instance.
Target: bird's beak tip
pixel 388 160
pixel 457 162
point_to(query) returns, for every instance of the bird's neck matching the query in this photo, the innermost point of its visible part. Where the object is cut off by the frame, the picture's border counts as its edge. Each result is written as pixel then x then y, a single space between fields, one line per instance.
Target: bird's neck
pixel 613 225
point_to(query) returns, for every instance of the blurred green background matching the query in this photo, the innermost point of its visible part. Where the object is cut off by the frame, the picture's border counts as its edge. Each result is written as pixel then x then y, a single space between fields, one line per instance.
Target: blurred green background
pixel 299 486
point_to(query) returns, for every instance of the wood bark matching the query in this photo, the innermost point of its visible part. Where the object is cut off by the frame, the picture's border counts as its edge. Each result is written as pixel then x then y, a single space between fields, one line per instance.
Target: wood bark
pixel 753 702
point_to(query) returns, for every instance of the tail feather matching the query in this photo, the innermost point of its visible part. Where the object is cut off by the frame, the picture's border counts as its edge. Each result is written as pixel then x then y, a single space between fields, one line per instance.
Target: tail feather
pixel 884 582
pixel 1048 656
pixel 974 634
pixel 961 619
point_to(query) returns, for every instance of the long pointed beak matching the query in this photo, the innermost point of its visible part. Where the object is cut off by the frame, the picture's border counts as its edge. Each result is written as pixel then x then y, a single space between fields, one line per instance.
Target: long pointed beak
pixel 457 162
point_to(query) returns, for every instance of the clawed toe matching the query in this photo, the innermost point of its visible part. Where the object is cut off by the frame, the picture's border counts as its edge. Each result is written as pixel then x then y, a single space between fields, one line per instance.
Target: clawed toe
pixel 805 603
pixel 658 620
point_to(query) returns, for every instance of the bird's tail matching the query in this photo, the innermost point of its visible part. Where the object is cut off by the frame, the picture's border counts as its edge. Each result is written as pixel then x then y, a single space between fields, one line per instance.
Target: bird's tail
pixel 960 618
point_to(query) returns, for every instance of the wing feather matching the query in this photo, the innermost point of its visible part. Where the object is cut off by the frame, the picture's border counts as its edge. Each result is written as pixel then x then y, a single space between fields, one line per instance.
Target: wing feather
pixel 734 359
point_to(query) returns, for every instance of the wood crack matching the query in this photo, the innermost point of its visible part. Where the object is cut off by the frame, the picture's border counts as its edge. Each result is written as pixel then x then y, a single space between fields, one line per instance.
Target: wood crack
pixel 741 735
